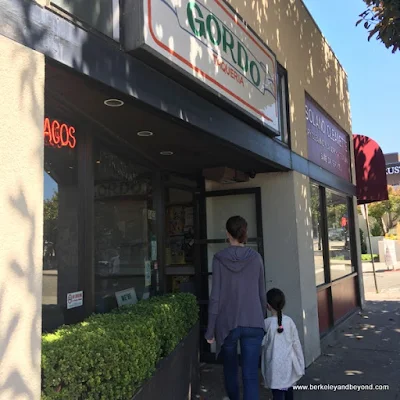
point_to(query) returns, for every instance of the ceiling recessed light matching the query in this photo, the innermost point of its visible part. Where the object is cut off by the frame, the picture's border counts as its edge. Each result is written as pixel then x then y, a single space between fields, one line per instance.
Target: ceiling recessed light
pixel 113 103
pixel 166 153
pixel 145 133
pixel 98 162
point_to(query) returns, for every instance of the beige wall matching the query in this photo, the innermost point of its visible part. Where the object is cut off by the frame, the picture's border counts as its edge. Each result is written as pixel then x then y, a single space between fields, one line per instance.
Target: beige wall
pixel 289 30
pixel 21 199
pixel 289 256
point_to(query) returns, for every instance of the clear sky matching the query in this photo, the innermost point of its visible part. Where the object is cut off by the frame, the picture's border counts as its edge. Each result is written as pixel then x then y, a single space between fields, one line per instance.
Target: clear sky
pixel 373 71
pixel 50 186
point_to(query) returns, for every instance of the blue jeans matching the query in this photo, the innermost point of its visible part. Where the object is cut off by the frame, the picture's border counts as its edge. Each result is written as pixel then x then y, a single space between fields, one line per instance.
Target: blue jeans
pixel 250 349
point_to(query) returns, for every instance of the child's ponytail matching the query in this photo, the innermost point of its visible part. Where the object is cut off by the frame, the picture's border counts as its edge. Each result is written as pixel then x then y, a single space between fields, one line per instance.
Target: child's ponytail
pixel 276 299
pixel 280 326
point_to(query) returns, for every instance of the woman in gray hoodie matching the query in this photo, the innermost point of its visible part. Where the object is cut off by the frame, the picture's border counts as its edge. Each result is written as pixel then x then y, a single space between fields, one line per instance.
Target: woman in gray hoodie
pixel 237 309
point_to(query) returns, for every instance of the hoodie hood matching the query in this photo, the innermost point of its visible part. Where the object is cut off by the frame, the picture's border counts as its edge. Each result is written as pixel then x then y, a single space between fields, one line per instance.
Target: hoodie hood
pixel 235 258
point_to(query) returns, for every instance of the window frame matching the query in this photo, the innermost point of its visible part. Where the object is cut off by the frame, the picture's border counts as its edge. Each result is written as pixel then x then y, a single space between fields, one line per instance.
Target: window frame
pixel 283 104
pixel 325 236
pixel 85 148
pixel 329 284
pixel 351 230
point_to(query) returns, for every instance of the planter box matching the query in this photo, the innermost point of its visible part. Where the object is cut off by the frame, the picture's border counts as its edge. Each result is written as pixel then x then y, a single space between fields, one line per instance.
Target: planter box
pixel 177 376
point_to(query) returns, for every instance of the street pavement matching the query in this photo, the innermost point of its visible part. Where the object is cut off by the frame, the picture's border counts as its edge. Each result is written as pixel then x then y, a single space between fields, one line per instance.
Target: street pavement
pixel 365 351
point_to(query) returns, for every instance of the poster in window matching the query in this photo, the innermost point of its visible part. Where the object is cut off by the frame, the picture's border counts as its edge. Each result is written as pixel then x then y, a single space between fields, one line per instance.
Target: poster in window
pixel 188 245
pixel 177 281
pixel 176 250
pixel 147 273
pixel 176 220
pixel 189 220
pixel 153 245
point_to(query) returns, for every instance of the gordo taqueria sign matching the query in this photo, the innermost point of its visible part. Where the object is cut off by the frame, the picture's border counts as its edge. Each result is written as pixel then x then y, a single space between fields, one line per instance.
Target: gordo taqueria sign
pixel 211 43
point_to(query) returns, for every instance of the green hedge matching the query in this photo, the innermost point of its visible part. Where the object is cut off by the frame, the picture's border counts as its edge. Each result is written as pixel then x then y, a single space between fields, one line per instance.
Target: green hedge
pixel 367 257
pixel 109 356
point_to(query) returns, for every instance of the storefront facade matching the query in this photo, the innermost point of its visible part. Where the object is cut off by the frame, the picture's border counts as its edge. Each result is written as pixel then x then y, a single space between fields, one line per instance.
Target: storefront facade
pixel 140 131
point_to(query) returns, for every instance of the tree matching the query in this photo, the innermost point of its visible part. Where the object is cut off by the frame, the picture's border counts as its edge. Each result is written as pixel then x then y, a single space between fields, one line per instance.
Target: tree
pixel 335 214
pixel 389 208
pixel 382 18
pixel 50 216
pixel 364 249
pixel 50 228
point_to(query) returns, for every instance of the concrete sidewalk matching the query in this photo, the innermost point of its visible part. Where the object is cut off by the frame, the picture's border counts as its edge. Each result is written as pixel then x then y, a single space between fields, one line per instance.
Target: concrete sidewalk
pixel 379 267
pixel 366 351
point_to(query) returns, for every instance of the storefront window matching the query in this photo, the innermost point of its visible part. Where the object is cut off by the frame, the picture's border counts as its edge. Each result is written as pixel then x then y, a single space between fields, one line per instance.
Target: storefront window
pixel 99 14
pixel 338 235
pixel 125 230
pixel 317 234
pixel 60 234
pixel 331 228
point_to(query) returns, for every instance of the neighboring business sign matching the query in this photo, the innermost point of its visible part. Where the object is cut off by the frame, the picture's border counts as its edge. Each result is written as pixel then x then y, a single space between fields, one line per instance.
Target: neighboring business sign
pixel 390 252
pixel 74 300
pixel 208 41
pixel 393 174
pixel 328 145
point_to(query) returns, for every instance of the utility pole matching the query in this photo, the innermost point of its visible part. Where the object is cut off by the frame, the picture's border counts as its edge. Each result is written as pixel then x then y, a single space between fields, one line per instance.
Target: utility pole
pixel 370 247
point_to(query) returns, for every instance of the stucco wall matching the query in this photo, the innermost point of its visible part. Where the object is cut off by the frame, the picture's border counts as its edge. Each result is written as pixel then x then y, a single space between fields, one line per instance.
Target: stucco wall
pixel 289 256
pixel 289 30
pixel 21 216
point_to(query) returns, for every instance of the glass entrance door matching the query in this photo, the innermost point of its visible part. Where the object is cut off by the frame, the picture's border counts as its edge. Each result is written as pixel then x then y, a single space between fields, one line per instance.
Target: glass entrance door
pixel 219 207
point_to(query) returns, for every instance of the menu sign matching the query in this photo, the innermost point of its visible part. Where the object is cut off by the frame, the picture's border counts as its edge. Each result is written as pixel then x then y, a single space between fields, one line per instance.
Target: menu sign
pixel 328 145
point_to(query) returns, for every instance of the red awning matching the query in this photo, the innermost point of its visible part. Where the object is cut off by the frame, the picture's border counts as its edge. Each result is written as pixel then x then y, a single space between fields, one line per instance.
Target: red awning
pixel 370 170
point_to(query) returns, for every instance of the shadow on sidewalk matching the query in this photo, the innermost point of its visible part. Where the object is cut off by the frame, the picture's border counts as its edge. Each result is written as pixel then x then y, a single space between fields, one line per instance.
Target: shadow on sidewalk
pixel 212 384
pixel 366 352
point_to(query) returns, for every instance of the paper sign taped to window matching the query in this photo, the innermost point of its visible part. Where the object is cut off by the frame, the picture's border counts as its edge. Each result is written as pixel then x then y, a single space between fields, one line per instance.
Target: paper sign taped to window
pixel 74 300
pixel 147 273
pixel 126 297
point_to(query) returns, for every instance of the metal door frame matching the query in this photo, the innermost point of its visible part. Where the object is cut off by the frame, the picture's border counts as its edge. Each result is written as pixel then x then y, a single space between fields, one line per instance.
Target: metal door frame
pixel 205 353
